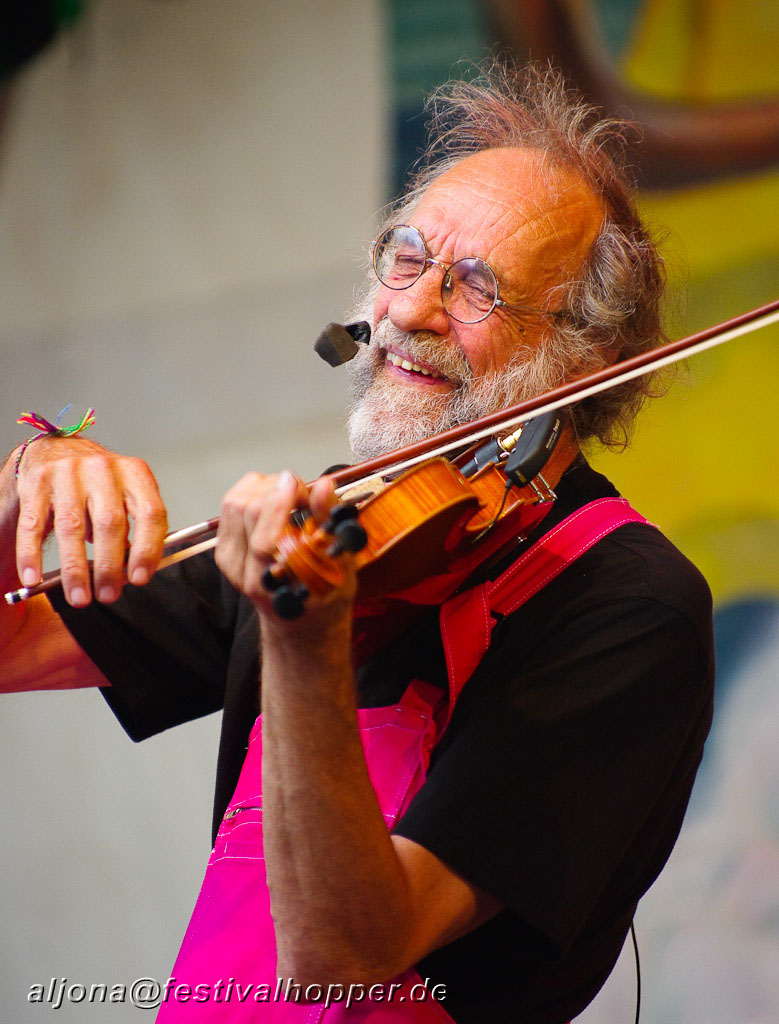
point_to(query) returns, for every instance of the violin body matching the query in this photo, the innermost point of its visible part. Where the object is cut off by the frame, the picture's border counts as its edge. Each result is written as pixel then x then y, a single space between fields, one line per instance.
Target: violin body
pixel 425 523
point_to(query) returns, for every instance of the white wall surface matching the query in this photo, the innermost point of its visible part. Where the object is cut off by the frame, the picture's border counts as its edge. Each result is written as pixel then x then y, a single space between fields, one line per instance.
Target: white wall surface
pixel 185 189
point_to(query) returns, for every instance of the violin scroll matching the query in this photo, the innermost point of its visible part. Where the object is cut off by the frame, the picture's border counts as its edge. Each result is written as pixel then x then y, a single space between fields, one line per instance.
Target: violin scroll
pixel 420 524
pixel 290 580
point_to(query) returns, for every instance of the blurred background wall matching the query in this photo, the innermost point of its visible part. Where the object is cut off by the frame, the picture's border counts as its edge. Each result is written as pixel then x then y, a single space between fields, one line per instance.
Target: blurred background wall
pixel 186 189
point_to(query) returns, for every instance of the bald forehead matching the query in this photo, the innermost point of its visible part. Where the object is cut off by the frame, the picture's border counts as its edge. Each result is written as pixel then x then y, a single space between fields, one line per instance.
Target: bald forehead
pixel 499 198
pixel 518 177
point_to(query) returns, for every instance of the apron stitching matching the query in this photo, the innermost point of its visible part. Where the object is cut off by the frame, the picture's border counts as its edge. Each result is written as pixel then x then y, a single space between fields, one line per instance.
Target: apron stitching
pixel 583 546
pixel 564 525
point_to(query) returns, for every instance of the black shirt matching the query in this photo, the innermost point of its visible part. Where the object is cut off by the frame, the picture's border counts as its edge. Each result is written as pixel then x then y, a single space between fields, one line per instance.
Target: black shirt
pixel 561 783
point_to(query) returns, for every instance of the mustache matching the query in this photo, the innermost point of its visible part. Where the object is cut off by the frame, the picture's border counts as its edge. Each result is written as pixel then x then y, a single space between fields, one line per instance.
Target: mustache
pixel 427 349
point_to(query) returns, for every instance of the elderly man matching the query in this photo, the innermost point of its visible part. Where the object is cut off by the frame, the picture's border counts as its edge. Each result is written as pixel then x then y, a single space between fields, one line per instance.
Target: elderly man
pixel 509 871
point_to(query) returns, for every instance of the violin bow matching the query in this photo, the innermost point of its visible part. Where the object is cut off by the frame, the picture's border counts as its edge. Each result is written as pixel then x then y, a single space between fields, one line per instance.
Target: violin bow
pixel 177 545
pixel 566 394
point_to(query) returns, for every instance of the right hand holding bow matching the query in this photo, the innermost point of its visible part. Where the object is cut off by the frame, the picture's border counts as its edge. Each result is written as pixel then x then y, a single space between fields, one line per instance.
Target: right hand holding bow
pixel 83 492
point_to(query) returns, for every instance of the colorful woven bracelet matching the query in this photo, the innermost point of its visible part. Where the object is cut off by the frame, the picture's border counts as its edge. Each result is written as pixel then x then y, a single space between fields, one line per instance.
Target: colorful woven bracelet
pixel 46 429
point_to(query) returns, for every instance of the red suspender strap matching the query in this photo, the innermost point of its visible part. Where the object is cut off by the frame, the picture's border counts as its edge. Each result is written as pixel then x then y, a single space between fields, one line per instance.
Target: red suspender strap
pixel 466 619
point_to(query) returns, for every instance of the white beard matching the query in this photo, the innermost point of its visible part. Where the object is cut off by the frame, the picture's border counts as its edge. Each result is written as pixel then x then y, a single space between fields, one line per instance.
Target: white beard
pixel 387 414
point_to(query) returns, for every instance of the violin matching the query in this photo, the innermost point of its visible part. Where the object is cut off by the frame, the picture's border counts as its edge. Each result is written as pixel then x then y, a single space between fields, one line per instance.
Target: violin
pixel 422 509
pixel 426 521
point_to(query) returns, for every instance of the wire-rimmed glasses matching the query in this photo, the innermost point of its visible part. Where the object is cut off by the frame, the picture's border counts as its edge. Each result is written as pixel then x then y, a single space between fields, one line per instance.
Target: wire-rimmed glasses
pixel 469 287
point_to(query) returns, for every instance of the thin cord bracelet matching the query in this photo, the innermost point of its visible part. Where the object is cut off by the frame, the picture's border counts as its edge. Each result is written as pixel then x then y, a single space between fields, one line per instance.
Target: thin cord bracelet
pixel 46 429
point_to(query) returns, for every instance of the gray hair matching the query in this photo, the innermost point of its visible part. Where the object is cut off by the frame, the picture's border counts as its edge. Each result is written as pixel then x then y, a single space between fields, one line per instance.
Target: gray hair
pixel 614 304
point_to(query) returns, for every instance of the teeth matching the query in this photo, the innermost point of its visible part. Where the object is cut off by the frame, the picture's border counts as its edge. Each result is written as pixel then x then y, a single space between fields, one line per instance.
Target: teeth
pixel 405 364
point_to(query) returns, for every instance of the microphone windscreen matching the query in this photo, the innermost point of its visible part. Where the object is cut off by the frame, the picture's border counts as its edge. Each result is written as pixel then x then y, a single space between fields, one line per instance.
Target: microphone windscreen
pixel 337 345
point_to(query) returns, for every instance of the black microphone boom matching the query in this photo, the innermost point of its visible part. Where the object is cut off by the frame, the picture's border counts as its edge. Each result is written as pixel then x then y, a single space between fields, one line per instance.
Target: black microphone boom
pixel 338 343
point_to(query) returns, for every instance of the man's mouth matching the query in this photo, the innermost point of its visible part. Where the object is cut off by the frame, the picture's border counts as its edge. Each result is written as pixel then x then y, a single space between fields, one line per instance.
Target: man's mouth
pixel 409 369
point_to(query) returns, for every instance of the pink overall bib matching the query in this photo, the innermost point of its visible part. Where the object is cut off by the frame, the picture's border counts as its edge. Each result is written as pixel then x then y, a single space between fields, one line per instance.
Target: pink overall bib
pixel 226 968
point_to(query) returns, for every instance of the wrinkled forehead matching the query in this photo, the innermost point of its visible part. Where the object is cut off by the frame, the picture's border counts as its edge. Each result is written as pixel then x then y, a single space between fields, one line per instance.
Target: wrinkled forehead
pixel 513 207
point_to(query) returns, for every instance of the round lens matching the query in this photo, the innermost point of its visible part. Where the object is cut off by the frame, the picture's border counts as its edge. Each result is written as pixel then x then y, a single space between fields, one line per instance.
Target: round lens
pixel 469 290
pixel 399 256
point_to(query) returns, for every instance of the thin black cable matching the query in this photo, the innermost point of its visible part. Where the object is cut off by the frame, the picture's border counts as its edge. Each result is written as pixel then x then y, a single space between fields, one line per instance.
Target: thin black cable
pixel 638 970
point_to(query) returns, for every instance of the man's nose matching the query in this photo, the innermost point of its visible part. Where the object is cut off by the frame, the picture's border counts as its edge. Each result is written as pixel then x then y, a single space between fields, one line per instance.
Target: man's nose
pixel 420 307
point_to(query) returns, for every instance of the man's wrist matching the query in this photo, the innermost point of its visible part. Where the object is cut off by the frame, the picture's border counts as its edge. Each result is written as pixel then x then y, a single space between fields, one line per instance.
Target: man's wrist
pixel 321 624
pixel 299 653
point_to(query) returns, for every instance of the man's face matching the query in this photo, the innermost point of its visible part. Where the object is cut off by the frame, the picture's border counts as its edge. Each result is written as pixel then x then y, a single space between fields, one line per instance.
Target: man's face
pixel 535 227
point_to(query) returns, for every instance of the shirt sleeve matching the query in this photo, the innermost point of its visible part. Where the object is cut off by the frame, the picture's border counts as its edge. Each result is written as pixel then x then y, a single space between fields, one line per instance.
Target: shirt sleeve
pixel 164 647
pixel 561 783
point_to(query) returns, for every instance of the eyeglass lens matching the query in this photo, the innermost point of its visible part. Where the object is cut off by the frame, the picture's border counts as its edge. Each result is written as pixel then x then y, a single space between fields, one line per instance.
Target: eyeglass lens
pixel 469 289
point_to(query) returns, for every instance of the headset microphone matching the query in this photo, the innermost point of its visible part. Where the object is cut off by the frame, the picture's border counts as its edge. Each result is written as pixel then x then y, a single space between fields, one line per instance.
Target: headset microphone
pixel 338 343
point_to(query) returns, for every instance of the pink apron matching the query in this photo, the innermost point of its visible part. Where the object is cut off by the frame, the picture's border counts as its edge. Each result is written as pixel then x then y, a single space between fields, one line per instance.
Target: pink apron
pixel 226 968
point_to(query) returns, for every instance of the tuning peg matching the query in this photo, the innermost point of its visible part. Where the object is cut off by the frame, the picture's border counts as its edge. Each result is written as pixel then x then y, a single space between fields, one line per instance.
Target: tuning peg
pixel 289 602
pixel 349 536
pixel 270 581
pixel 339 514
